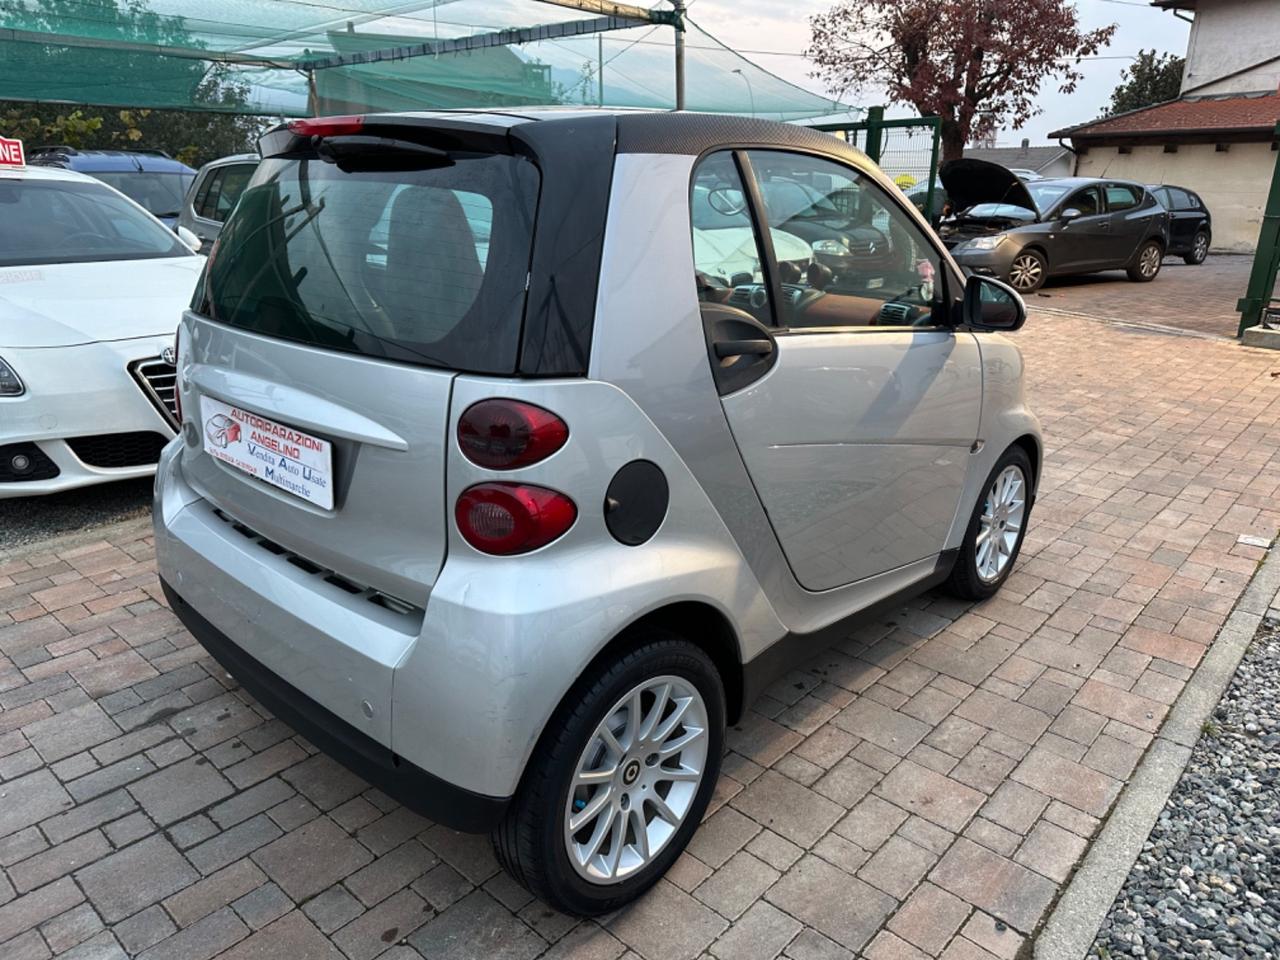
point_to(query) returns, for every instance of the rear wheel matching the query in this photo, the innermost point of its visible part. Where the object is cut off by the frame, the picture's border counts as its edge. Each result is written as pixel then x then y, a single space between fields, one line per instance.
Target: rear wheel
pixel 1146 262
pixel 1028 271
pixel 621 779
pixel 1199 249
pixel 996 529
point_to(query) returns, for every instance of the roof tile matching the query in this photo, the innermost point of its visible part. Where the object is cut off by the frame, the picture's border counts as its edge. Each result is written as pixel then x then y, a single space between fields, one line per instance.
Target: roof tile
pixel 1239 112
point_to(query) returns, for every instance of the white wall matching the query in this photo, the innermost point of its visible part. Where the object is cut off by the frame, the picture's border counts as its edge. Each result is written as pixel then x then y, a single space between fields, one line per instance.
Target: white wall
pixel 1061 167
pixel 1229 35
pixel 1233 185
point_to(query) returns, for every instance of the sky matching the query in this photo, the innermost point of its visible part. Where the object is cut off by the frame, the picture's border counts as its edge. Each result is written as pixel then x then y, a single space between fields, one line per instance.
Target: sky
pixel 783 26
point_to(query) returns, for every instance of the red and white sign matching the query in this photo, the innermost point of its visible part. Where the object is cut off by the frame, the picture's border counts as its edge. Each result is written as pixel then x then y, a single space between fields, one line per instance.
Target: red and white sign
pixel 284 457
pixel 11 154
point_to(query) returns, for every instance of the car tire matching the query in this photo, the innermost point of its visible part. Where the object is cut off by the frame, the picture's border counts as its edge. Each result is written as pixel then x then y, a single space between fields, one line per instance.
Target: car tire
pixel 536 841
pixel 1145 265
pixel 975 576
pixel 1028 271
pixel 1199 249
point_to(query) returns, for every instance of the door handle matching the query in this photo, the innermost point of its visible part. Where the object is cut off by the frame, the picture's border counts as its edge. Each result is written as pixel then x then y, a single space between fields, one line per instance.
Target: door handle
pixel 742 348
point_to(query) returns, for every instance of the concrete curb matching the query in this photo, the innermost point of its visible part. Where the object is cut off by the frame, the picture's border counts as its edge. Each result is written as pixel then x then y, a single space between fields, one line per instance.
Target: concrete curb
pixel 75 538
pixel 1073 926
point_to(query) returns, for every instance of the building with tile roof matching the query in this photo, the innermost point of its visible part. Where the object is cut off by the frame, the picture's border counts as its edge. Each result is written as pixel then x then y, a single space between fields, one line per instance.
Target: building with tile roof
pixel 1219 137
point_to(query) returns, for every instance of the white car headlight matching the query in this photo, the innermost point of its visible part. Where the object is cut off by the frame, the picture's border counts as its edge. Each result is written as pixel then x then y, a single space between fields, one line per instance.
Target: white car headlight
pixel 836 248
pixel 984 243
pixel 10 384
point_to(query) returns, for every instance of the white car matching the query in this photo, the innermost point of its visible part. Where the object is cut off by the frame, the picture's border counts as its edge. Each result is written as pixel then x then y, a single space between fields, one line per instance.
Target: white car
pixel 91 291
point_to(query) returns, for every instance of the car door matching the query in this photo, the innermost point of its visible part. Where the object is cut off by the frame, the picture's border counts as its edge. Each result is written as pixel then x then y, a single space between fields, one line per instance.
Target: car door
pixel 1082 242
pixel 1130 222
pixel 216 197
pixel 1184 220
pixel 852 402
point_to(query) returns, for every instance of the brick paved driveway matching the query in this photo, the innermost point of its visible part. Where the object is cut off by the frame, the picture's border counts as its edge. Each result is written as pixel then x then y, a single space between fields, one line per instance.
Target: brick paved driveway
pixel 1202 299
pixel 923 790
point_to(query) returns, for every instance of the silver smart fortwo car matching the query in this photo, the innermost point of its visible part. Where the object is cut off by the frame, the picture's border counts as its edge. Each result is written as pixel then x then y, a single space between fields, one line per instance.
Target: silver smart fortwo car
pixel 519 453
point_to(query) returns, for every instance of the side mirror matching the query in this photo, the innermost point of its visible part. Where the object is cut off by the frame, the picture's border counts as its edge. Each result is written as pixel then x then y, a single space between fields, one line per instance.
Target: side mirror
pixel 991 304
pixel 1069 214
pixel 189 238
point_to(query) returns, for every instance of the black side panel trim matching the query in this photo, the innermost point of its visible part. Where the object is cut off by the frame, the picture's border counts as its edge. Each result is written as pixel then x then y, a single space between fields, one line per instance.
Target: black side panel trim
pixel 417 789
pixel 576 160
pixel 796 648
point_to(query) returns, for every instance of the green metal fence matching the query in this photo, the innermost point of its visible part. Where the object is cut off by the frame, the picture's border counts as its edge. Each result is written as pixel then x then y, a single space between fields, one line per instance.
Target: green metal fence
pixel 905 149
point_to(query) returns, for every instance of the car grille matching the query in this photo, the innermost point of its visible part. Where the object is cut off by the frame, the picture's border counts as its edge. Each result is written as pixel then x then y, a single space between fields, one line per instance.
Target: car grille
pixel 159 381
pixel 118 449
pixel 37 465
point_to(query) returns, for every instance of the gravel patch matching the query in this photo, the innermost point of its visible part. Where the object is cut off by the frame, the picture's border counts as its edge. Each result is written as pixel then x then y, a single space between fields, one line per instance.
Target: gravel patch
pixel 26 520
pixel 1205 884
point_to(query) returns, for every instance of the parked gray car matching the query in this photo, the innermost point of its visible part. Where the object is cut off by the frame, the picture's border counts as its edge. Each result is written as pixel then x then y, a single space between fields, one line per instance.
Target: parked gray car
pixel 510 485
pixel 1027 231
pixel 213 195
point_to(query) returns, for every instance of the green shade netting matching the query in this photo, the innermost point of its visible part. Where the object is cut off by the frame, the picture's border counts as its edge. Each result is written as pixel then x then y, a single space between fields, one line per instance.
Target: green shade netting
pixel 249 56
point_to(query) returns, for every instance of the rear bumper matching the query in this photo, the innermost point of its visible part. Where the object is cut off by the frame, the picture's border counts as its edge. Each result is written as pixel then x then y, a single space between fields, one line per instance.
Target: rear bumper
pixel 420 791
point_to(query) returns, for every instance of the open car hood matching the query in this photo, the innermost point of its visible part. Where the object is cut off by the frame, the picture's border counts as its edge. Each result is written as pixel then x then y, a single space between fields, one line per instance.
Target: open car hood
pixel 969 182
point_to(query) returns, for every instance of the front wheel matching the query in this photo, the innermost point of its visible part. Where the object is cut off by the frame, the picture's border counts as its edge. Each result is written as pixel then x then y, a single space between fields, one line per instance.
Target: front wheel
pixel 621 779
pixel 1146 263
pixel 995 532
pixel 1028 271
pixel 1199 249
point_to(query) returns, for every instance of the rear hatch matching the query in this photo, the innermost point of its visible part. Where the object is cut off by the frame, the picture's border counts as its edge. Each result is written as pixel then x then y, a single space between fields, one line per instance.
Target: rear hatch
pixel 365 265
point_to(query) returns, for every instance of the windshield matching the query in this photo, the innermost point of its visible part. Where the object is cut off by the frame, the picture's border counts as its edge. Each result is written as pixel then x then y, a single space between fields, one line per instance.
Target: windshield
pixel 1002 211
pixel 160 193
pixel 1047 193
pixel 60 221
pixel 424 266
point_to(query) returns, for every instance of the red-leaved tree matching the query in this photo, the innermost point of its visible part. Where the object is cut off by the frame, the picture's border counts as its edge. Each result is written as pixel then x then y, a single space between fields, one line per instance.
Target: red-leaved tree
pixel 977 64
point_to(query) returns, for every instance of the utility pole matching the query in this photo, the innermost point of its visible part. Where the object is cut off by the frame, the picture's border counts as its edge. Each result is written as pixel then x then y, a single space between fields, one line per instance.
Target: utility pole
pixel 600 70
pixel 679 25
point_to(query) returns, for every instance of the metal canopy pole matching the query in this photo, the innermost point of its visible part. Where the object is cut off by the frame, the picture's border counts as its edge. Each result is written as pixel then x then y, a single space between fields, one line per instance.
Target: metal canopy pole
pixel 1266 259
pixel 679 25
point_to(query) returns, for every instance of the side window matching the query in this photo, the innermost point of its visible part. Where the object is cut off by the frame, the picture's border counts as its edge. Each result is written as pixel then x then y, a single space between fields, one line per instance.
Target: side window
pixel 846 255
pixel 728 266
pixel 1182 200
pixel 232 183
pixel 1164 196
pixel 207 207
pixel 1087 201
pixel 1120 197
pixel 202 193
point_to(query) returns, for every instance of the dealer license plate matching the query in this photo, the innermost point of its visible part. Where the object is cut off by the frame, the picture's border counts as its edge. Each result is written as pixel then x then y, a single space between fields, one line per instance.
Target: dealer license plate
pixel 296 462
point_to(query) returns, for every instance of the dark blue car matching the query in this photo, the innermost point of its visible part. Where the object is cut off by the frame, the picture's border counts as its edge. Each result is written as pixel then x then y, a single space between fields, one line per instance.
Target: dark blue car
pixel 149 177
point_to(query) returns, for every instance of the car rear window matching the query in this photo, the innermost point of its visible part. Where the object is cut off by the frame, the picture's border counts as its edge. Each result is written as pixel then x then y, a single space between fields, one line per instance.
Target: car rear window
pixel 422 266
pixel 160 193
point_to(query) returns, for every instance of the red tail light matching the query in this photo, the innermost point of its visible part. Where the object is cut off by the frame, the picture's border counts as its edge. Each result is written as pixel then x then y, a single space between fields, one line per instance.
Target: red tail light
pixel 506 434
pixel 326 126
pixel 509 518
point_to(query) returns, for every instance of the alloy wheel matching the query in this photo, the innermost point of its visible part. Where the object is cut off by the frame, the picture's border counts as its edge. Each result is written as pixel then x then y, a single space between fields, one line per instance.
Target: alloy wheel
pixel 636 779
pixel 1149 262
pixel 1001 523
pixel 1201 249
pixel 1026 272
